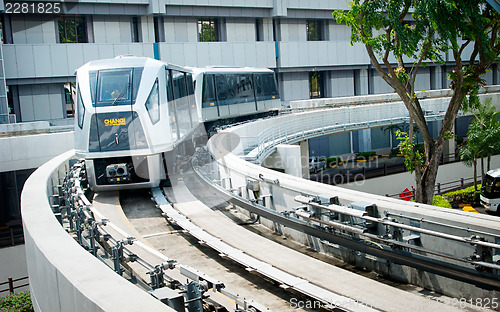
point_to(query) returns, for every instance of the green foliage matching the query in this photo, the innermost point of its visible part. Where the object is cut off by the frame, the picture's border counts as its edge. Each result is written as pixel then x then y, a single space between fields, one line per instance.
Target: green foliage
pixel 395 151
pixel 439 201
pixel 207 32
pixel 16 303
pixel 365 155
pixel 464 196
pixel 483 135
pixel 413 154
pixel 400 37
pixel 333 161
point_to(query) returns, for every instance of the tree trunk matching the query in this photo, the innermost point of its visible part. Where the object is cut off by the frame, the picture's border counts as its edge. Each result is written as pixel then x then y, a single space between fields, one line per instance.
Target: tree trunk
pixel 482 168
pixel 425 177
pixel 474 164
pixel 489 163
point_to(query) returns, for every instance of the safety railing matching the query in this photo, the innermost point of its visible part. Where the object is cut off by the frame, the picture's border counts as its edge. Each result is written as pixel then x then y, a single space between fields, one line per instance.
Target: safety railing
pixel 11 235
pixel 10 281
pixel 440 188
pixel 7 118
pixel 317 123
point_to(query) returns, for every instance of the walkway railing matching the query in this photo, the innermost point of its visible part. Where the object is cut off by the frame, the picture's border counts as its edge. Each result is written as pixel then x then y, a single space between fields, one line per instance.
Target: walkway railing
pixel 11 235
pixel 10 281
pixel 441 188
pixel 324 122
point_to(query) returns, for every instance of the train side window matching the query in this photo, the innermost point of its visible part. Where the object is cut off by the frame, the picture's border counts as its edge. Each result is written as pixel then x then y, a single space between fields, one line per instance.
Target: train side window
pixel 153 104
pixel 173 120
pixel 191 97
pixel 225 86
pixel 208 95
pixel 265 87
pixel 170 92
pixel 80 108
pixel 243 89
pixel 179 84
pixel 190 83
pixel 136 81
pixel 93 85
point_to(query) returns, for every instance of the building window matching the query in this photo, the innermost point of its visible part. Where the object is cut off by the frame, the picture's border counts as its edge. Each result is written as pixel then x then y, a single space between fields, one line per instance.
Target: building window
pixel 315 31
pixel 136 29
pixel 208 30
pixel 259 29
pixel 69 98
pixel 159 29
pixel 316 85
pixel 72 29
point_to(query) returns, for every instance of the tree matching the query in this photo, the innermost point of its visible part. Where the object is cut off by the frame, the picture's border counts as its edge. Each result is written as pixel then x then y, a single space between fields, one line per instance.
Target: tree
pixel 400 35
pixel 483 138
pixel 207 32
pixel 468 155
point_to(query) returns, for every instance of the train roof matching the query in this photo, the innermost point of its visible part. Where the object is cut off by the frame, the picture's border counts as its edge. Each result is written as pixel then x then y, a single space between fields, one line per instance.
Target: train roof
pixel 127 61
pixel 228 69
pixel 495 173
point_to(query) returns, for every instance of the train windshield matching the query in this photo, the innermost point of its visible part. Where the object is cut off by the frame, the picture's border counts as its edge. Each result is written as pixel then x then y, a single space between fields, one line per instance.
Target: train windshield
pixel 490 187
pixel 116 86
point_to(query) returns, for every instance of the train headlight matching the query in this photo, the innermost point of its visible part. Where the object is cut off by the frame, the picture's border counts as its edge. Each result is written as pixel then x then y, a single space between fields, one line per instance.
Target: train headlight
pixel 118 173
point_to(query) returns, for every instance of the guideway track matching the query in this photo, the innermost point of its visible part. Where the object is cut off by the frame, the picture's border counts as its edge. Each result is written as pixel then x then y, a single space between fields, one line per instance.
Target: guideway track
pixel 399 257
pixel 328 299
pixel 360 291
pixel 138 258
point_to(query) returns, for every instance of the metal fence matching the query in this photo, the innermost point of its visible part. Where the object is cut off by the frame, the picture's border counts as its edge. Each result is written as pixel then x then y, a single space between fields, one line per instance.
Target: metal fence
pixel 442 188
pixel 10 281
pixel 11 235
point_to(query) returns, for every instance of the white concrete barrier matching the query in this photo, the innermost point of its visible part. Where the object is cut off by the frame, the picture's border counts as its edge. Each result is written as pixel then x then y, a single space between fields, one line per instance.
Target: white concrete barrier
pixel 63 276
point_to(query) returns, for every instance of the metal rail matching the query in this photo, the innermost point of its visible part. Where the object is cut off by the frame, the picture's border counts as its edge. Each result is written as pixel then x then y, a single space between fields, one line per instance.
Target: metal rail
pixel 398 256
pixel 286 280
pixel 10 281
pixel 362 215
pixel 88 225
pixel 333 120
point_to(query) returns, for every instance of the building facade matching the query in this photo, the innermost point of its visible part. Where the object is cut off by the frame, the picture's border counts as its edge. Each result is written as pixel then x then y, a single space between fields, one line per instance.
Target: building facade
pixel 44 43
pixel 298 39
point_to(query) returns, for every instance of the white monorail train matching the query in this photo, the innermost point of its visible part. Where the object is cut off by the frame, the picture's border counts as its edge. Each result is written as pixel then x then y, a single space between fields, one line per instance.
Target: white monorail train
pixel 135 116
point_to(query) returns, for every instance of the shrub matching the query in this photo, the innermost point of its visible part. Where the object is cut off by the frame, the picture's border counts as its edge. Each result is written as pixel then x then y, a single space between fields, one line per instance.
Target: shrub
pixel 439 201
pixel 395 151
pixel 467 195
pixel 16 302
pixel 333 161
pixel 420 148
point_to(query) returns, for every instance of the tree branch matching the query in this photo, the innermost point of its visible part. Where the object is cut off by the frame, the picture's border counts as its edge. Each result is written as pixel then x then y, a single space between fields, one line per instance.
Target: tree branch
pixel 416 66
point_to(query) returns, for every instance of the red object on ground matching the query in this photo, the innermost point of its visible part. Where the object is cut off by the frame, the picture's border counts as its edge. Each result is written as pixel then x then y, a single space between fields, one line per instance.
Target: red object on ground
pixel 406 195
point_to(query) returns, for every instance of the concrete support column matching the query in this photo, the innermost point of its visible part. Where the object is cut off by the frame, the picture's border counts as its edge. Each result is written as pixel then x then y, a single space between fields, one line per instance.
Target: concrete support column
pixel 304 159
pixel 290 158
pixel 365 140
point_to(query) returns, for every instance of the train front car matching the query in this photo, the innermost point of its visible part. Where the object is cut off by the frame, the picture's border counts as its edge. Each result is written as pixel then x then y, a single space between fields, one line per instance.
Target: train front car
pixel 122 125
